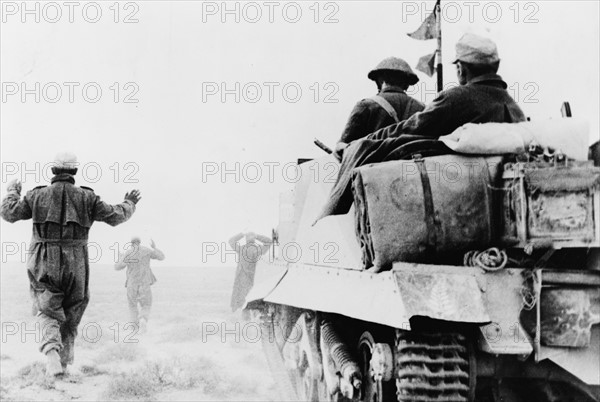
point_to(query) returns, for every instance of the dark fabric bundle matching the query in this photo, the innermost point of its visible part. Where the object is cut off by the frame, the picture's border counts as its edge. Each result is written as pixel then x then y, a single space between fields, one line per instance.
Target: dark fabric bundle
pixel 417 210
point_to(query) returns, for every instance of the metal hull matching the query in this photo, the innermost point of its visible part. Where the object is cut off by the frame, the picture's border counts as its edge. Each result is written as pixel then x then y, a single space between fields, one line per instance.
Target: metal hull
pixel 511 334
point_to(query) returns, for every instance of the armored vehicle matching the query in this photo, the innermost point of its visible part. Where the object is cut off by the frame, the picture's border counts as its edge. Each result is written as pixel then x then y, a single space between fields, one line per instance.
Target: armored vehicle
pixel 438 285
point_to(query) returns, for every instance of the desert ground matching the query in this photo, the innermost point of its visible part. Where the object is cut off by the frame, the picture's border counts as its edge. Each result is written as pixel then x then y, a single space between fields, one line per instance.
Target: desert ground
pixel 195 348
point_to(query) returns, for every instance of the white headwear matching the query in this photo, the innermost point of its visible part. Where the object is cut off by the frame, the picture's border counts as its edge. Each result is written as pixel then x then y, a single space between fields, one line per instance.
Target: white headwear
pixel 476 49
pixel 65 160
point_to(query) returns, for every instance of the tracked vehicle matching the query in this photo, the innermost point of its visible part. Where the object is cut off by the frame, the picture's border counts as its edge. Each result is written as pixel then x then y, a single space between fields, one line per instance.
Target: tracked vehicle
pixel 456 287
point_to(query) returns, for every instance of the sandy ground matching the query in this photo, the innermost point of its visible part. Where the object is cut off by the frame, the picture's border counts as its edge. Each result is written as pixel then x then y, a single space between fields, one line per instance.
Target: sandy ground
pixel 195 348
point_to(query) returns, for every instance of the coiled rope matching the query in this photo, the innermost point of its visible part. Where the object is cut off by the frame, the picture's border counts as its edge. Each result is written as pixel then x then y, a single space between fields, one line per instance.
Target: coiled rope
pixel 492 259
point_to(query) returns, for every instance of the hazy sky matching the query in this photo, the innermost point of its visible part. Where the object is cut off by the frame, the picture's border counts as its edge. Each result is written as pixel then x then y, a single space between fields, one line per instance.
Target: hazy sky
pixel 291 71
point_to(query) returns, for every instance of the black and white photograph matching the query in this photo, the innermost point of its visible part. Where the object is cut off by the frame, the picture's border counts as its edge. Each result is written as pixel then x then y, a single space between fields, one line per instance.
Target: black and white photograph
pixel 313 200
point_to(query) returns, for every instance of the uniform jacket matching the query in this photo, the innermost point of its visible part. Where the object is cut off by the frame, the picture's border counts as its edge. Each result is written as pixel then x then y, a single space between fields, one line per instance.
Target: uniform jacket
pixel 367 116
pixel 137 260
pixel 483 100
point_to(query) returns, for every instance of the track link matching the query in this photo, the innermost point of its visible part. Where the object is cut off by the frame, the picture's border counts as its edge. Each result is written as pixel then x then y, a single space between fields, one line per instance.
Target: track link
pixel 432 368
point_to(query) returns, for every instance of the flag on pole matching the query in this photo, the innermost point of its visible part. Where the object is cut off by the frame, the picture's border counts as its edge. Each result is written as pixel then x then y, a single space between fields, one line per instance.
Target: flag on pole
pixel 428 29
pixel 427 64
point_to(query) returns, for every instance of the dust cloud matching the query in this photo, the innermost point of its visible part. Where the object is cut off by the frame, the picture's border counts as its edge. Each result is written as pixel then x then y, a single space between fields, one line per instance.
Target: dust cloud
pixel 195 347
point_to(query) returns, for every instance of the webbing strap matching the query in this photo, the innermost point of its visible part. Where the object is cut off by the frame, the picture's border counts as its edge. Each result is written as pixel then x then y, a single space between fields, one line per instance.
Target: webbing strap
pixel 381 101
pixel 432 224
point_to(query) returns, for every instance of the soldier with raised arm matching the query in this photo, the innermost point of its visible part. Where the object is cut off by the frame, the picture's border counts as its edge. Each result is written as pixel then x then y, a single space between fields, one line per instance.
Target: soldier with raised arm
pixel 248 256
pixel 58 265
pixel 140 278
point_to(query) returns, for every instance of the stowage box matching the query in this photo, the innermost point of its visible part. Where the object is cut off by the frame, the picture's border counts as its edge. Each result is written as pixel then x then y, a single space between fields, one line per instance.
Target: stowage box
pixel 553 206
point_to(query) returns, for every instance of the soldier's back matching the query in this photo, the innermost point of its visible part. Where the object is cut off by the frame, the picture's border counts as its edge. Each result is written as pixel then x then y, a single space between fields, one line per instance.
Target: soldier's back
pixel 61 211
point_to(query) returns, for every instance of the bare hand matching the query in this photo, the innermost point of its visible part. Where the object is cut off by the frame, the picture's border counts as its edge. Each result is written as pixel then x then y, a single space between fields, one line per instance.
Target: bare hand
pixel 133 196
pixel 338 152
pixel 14 185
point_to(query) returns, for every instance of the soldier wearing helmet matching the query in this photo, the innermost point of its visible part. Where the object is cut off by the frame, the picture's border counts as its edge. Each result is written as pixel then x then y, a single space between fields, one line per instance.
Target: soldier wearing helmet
pixel 391 105
pixel 58 266
pixel 481 97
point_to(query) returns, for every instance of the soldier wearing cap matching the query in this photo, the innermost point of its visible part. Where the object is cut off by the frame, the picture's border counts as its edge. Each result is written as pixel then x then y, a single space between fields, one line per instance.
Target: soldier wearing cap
pixel 480 98
pixel 58 266
pixel 139 279
pixel 391 105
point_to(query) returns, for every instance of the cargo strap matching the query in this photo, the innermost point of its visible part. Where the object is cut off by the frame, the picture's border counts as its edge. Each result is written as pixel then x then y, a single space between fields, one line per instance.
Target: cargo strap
pixel 381 101
pixel 433 225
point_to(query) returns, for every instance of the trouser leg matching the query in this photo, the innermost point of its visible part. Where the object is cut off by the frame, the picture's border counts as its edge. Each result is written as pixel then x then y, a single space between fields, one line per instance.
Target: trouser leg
pixel 50 334
pixel 132 301
pixel 145 300
pixel 47 301
pixel 75 303
pixel 236 293
pixel 67 354
pixel 52 342
pixel 241 287
pixel 68 331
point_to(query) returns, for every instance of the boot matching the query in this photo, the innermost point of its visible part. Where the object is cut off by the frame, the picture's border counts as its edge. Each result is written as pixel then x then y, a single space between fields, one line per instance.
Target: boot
pixel 53 365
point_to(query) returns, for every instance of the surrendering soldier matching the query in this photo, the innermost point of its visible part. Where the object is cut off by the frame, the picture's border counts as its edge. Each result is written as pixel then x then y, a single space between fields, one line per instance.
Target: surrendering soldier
pixel 58 265
pixel 140 278
pixel 248 256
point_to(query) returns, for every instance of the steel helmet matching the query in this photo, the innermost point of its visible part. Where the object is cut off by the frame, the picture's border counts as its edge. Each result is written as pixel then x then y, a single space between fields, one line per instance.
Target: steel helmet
pixel 394 64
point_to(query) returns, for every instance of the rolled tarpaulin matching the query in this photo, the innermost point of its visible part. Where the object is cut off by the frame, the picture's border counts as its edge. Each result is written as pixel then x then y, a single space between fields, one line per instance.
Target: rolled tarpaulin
pixel 568 135
pixel 415 210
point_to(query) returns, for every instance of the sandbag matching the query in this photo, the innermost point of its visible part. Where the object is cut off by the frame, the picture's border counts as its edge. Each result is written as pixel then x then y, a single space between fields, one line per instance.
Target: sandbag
pixel 569 135
pixel 412 210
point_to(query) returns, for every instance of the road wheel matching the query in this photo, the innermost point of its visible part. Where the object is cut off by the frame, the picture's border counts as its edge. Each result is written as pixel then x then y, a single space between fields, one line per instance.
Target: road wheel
pixel 375 387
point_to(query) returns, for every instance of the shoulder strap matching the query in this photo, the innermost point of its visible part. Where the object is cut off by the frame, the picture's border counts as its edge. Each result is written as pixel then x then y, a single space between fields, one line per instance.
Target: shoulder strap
pixel 380 100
